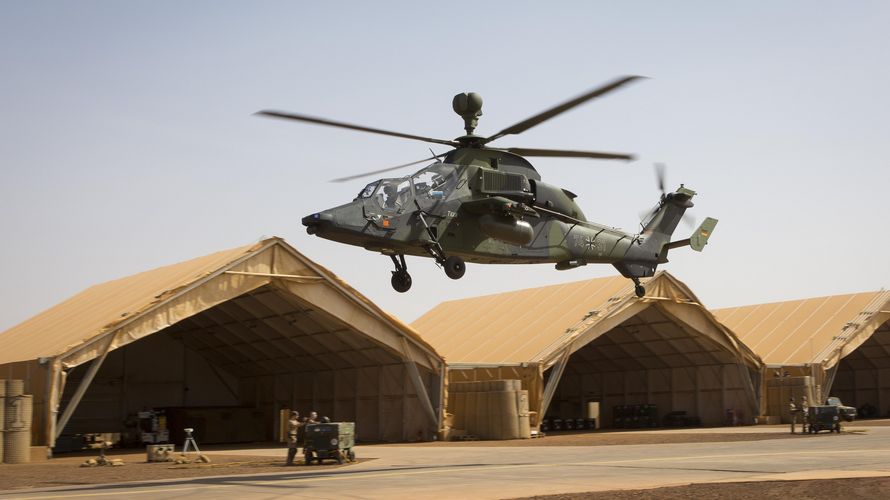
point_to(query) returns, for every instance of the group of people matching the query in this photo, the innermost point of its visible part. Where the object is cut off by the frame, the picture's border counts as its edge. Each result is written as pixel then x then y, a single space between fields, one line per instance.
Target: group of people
pixel 295 426
pixel 802 412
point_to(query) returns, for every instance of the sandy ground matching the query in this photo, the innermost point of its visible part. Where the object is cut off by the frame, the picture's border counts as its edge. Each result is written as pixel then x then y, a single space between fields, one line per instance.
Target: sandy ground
pixel 847 489
pixel 65 470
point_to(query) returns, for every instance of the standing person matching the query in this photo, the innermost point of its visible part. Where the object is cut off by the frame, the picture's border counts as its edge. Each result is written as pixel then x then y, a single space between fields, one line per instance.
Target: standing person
pixel 793 410
pixel 805 409
pixel 293 432
pixel 313 418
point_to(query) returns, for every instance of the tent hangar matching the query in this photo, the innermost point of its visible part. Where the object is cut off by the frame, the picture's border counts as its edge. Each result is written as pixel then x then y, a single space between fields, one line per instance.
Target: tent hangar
pixel 226 342
pixel 841 342
pixel 595 341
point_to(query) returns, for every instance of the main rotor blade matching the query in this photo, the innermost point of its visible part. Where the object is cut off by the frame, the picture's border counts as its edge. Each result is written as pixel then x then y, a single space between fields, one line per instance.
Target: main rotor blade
pixel 550 113
pixel 570 154
pixel 331 123
pixel 382 170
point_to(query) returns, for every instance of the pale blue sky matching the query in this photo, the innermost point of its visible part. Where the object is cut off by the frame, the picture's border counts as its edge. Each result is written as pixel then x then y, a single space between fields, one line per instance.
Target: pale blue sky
pixel 127 141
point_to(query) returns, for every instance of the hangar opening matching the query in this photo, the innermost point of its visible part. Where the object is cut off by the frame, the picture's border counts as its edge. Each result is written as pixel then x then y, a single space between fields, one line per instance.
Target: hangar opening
pixel 224 344
pixel 594 341
pixel 653 371
pixel 858 370
pixel 819 347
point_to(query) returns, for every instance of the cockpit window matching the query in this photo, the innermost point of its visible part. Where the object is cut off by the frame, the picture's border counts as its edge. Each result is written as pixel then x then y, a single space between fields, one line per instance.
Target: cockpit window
pixel 434 181
pixel 394 194
pixel 369 190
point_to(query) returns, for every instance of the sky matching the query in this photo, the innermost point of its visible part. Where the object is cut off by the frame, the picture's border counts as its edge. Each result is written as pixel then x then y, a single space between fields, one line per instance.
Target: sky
pixel 128 141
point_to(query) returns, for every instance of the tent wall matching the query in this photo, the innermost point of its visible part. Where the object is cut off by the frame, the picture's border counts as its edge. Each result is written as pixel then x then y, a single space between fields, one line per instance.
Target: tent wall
pixel 863 376
pixel 668 355
pixel 703 391
pixel 157 371
pixel 161 371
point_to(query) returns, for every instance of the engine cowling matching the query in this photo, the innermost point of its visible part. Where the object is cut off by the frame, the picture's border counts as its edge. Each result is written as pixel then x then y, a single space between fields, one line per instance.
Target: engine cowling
pixel 506 228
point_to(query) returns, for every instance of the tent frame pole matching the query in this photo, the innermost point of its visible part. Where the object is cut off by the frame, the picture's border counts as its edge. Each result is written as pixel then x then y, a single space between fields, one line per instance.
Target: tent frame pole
pixel 422 394
pixel 82 389
pixel 553 382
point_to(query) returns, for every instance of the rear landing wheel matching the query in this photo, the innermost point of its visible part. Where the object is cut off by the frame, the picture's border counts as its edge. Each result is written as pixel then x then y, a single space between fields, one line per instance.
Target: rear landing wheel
pixel 455 267
pixel 640 290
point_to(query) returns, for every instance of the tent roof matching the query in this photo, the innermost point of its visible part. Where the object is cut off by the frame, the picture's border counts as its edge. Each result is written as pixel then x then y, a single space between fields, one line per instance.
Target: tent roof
pixel 536 324
pixel 72 325
pixel 800 331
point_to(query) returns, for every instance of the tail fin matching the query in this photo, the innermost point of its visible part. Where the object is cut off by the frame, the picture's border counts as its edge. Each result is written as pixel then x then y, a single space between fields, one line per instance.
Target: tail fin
pixel 663 222
pixel 699 238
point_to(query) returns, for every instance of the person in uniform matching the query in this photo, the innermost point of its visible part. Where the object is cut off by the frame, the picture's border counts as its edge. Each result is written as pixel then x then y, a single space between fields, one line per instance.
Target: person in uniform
pixel 793 410
pixel 313 418
pixel 293 432
pixel 805 410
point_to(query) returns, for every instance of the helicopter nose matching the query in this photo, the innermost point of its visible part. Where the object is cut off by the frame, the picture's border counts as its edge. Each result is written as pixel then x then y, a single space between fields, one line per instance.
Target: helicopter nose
pixel 317 221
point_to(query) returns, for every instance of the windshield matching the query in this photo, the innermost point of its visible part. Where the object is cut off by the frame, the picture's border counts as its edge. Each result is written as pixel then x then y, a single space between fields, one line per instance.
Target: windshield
pixel 394 194
pixel 369 190
pixel 434 181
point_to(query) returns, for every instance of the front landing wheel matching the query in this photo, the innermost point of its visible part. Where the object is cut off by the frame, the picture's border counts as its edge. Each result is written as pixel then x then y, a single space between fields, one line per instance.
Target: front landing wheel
pixel 640 290
pixel 455 267
pixel 401 281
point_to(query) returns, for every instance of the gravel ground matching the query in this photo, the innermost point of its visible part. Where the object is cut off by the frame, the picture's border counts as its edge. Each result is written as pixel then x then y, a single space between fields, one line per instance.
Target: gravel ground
pixel 847 489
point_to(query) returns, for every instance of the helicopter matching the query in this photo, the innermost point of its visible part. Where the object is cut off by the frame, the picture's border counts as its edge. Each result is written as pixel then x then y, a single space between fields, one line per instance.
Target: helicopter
pixel 485 205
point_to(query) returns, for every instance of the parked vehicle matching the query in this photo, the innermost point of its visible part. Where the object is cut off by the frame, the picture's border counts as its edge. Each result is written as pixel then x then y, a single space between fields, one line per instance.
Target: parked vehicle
pixel 333 440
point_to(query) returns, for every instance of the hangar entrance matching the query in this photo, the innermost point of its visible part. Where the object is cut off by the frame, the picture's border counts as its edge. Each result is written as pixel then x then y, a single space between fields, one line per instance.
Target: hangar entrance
pixel 653 370
pixel 863 376
pixel 230 370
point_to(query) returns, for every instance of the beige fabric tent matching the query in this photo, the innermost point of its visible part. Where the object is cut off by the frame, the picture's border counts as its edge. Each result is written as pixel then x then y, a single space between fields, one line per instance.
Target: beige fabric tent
pixel 842 341
pixel 596 341
pixel 260 325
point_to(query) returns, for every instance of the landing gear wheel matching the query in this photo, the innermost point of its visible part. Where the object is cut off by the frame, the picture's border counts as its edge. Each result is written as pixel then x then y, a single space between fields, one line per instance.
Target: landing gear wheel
pixel 455 267
pixel 640 290
pixel 401 281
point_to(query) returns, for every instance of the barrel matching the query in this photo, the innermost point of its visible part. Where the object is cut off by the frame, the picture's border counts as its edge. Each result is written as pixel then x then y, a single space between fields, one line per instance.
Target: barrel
pixel 481 420
pixel 15 387
pixel 502 415
pixel 17 436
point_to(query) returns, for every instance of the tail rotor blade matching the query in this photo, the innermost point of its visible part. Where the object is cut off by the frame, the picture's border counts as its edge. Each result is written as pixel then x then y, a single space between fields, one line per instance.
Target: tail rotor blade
pixel 659 177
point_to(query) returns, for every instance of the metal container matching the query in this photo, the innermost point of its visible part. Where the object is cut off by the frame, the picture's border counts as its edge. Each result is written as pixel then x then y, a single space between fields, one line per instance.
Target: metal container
pixel 17 434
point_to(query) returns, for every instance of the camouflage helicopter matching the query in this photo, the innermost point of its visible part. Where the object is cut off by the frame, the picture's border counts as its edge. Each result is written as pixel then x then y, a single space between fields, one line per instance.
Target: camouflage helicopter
pixel 489 206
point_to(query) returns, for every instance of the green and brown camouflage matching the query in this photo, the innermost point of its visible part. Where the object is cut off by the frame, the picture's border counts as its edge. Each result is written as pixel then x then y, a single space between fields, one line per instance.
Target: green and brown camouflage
pixel 490 207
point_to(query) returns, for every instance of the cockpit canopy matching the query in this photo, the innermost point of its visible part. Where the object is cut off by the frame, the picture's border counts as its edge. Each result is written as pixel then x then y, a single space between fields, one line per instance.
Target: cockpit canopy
pixel 427 185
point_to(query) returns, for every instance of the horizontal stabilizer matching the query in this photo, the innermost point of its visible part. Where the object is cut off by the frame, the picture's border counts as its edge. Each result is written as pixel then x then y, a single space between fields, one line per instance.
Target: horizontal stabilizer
pixel 699 239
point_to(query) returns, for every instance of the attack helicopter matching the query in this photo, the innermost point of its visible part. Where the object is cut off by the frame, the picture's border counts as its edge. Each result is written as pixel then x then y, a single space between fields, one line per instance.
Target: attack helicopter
pixel 484 205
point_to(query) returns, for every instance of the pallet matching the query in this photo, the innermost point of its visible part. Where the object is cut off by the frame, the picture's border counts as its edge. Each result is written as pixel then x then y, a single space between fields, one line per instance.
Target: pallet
pixel 466 437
